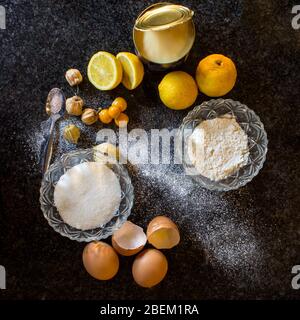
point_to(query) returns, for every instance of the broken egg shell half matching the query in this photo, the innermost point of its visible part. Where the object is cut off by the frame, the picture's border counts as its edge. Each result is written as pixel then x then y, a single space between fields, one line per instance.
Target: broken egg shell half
pixel 129 239
pixel 100 260
pixel 163 233
pixel 149 268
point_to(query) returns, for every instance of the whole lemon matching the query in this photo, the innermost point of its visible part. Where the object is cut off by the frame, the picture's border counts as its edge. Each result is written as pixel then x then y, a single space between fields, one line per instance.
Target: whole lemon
pixel 216 75
pixel 178 90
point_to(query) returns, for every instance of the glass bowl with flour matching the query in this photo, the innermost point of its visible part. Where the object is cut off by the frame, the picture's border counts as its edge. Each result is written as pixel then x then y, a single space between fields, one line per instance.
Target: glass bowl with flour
pixel 86 195
pixel 222 144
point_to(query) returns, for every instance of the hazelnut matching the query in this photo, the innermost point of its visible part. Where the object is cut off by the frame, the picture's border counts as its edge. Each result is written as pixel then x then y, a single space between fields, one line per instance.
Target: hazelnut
pixel 74 77
pixel 74 106
pixel 71 133
pixel 89 116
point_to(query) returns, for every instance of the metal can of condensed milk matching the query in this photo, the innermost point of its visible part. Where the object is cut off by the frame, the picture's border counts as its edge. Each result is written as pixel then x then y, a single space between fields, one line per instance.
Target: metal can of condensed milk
pixel 164 34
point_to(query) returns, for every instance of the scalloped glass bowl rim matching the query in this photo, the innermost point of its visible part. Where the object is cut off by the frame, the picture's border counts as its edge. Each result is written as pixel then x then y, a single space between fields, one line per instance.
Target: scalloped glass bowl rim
pixel 221 185
pixel 85 235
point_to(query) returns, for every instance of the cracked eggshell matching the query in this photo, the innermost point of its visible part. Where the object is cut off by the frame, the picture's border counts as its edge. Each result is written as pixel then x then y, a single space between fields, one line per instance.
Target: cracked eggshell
pixel 163 233
pixel 129 239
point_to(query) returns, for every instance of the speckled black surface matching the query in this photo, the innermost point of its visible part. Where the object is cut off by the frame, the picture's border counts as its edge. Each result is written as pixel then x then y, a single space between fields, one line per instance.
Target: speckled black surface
pixel 42 40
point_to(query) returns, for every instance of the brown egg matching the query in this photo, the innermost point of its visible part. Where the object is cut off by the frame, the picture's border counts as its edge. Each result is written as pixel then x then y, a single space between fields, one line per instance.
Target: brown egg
pixel 149 268
pixel 163 233
pixel 100 260
pixel 129 239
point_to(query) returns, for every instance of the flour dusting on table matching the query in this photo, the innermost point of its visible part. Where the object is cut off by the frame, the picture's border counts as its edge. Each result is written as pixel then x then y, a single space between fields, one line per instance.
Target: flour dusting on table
pixel 218 224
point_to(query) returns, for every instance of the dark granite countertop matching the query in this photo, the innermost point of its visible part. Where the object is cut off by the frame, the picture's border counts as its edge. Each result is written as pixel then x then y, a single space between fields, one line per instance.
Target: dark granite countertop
pixel 239 244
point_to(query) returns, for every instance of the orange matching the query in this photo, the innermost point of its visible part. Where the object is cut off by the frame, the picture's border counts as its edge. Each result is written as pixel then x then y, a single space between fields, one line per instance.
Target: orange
pixel 216 75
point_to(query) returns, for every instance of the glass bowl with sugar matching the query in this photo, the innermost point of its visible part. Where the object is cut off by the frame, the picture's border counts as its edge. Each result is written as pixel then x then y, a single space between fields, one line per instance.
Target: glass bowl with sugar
pixel 86 195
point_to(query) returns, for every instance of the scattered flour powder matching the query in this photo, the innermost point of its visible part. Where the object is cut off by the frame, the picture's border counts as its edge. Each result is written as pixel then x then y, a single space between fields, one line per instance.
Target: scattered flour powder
pixel 221 225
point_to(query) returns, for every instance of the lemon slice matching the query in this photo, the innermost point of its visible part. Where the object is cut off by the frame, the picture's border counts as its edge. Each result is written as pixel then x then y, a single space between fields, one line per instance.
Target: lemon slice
pixel 133 69
pixel 104 71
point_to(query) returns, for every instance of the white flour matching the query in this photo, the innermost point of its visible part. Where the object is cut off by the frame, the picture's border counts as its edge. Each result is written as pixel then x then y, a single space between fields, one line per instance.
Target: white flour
pixel 218 147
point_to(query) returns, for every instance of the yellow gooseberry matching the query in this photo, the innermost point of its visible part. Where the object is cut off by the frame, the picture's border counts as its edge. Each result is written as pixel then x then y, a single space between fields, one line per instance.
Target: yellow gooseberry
pixel 104 116
pixel 114 111
pixel 122 120
pixel 120 103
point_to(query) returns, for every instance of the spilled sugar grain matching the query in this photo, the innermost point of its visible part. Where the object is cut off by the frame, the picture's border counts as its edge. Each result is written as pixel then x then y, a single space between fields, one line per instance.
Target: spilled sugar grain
pixel 218 224
pixel 86 140
pixel 210 220
pixel 36 140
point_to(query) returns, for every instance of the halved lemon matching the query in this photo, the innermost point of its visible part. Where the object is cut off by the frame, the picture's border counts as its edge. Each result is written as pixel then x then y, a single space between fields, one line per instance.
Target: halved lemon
pixel 104 71
pixel 133 69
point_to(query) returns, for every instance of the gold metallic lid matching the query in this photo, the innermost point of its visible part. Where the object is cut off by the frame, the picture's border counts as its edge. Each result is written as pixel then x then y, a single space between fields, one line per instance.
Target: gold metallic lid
pixel 161 16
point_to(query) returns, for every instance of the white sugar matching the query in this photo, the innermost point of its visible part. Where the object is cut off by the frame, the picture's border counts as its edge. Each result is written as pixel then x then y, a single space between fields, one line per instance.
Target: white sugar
pixel 88 195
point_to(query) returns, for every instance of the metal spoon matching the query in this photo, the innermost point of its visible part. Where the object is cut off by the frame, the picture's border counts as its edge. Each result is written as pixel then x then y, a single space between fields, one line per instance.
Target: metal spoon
pixel 55 107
